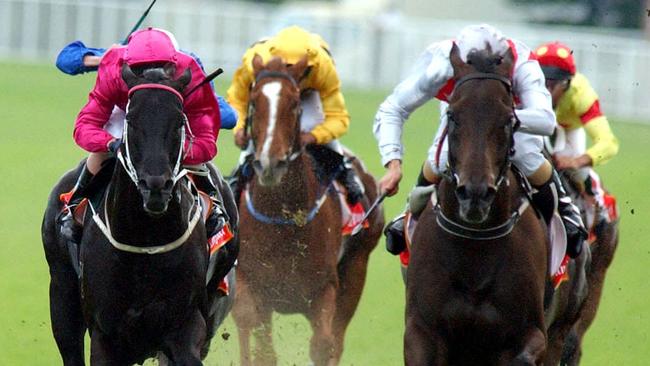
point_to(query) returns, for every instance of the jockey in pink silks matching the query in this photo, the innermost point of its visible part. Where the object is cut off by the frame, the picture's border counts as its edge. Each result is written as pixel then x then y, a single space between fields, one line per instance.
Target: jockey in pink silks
pixel 98 128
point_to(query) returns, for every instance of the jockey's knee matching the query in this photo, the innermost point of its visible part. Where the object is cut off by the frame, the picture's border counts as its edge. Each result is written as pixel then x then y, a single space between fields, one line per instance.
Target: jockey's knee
pixel 95 160
pixel 430 173
pixel 541 175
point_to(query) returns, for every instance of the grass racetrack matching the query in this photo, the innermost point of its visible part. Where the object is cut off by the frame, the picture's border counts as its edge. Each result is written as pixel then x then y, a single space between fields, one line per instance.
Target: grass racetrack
pixel 38 106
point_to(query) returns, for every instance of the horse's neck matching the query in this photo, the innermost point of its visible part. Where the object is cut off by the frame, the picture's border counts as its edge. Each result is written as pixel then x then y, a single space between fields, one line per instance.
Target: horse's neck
pixel 129 223
pixel 297 190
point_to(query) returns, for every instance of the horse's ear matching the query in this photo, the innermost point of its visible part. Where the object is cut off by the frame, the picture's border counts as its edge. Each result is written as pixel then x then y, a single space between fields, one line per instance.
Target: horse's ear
pixel 258 64
pixel 129 76
pixel 505 67
pixel 300 69
pixel 460 67
pixel 185 79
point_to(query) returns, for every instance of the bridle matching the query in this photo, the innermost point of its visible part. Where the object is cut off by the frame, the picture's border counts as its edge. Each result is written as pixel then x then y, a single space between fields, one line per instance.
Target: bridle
pixel 457 229
pixel 125 156
pixel 177 174
pixel 248 122
pixel 513 126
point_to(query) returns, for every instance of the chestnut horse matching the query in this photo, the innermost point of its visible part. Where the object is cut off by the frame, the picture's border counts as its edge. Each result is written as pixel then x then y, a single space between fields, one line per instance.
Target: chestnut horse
pixel 293 257
pixel 479 262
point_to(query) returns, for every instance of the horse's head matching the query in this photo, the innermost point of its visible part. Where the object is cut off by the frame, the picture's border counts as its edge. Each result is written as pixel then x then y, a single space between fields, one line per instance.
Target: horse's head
pixel 481 123
pixel 274 117
pixel 154 132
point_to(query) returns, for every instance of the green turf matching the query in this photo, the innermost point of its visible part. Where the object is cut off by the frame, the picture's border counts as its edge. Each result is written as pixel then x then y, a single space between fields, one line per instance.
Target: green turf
pixel 38 106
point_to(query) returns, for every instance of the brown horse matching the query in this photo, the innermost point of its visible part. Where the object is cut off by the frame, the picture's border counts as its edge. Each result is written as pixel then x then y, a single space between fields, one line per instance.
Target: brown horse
pixel 293 258
pixel 602 253
pixel 479 262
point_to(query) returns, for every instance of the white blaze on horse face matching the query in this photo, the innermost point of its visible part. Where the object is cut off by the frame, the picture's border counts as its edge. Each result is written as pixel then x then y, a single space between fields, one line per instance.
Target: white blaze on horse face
pixel 272 93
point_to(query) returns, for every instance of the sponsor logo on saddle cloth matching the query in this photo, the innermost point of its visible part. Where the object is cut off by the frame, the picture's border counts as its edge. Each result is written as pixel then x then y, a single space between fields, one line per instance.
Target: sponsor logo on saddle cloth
pixel 351 215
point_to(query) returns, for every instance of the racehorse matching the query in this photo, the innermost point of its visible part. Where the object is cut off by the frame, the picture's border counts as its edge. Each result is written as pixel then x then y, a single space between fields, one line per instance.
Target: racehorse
pixel 143 260
pixel 479 262
pixel 602 250
pixel 293 258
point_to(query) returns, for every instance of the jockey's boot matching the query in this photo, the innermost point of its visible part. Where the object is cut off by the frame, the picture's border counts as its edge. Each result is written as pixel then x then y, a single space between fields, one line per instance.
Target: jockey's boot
pixel 69 228
pixel 348 178
pixel 394 231
pixel 218 216
pixel 575 229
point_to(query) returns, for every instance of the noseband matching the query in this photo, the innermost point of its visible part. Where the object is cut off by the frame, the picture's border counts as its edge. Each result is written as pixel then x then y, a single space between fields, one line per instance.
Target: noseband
pixel 125 158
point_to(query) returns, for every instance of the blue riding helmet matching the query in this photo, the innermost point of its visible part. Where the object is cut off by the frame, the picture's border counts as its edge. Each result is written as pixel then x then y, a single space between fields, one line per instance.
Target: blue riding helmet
pixel 70 61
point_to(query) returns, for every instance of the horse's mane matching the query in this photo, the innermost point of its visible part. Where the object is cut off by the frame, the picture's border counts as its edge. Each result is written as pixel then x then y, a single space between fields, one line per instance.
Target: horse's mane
pixel 484 60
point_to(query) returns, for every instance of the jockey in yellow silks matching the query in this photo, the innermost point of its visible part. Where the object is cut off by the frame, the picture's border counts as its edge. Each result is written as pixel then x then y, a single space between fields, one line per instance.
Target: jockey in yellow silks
pixel 577 109
pixel 324 116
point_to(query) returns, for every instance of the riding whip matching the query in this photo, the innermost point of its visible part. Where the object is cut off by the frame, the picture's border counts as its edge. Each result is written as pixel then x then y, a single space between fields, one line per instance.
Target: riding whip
pixel 207 79
pixel 374 205
pixel 137 25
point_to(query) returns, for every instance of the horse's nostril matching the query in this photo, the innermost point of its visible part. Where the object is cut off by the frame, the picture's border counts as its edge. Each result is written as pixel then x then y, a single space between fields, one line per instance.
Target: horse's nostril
pixel 257 165
pixel 282 164
pixel 461 192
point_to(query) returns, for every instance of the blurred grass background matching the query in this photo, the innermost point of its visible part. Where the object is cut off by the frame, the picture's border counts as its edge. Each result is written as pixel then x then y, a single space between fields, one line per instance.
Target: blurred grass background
pixel 38 107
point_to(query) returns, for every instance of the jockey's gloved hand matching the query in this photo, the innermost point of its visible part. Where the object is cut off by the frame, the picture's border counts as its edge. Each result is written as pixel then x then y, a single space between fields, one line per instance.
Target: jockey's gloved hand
pixel 114 145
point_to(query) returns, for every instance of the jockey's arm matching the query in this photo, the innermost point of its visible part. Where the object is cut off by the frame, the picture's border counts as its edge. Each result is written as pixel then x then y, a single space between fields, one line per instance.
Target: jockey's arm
pixel 337 120
pixel 202 113
pixel 605 144
pixel 238 92
pixel 535 107
pixel 430 73
pixel 89 131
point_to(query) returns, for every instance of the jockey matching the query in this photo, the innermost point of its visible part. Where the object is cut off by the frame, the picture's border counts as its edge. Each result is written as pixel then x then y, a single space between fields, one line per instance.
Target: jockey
pixel 577 107
pixel 324 116
pixel 99 132
pixel 433 78
pixel 76 58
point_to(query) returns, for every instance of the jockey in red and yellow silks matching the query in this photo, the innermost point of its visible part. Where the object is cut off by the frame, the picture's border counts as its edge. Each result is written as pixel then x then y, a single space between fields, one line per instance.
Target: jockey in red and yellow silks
pixel 324 116
pixel 577 109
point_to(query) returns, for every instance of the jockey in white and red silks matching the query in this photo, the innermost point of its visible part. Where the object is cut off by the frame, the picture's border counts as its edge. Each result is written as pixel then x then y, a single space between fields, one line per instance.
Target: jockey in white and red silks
pixel 432 77
pixel 99 133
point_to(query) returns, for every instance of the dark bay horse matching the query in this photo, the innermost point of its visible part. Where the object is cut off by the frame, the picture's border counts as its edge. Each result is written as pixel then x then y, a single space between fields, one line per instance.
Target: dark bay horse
pixel 602 249
pixel 143 258
pixel 479 262
pixel 293 258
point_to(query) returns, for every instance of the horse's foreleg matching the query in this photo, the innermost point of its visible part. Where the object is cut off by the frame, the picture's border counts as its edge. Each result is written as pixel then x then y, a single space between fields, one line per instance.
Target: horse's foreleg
pixel 421 348
pixel 251 317
pixel 185 346
pixel 352 276
pixel 533 349
pixel 321 316
pixel 65 311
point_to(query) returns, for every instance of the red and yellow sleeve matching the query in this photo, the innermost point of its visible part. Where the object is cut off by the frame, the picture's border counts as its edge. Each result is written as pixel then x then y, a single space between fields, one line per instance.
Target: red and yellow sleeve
pixel 327 83
pixel 604 144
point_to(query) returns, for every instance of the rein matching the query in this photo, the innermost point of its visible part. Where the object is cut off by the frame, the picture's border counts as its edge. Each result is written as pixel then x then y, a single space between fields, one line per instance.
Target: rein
pixel 494 232
pixel 300 218
pixel 489 233
pixel 156 249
